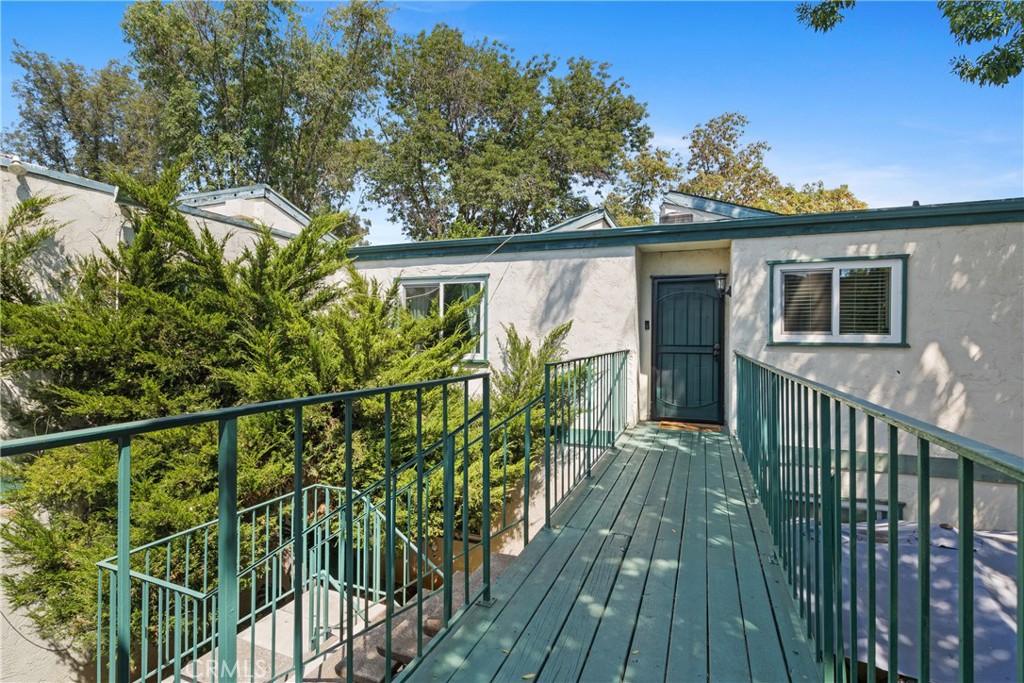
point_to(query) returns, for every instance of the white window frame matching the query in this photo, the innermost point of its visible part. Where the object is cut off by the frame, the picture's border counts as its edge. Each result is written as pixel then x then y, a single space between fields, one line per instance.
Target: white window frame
pixel 440 282
pixel 897 284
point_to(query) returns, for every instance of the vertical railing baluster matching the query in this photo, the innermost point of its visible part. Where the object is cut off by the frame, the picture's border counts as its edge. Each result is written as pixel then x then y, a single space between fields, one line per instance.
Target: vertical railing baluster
pixel 1020 581
pixel 894 556
pixel 851 429
pixel 828 543
pixel 965 557
pixel 547 446
pixel 298 538
pixel 419 522
pixel 486 456
pixel 526 479
pixel 227 551
pixel 389 537
pixel 448 522
pixel 872 556
pixel 350 555
pixel 124 587
pixel 837 503
pixel 924 558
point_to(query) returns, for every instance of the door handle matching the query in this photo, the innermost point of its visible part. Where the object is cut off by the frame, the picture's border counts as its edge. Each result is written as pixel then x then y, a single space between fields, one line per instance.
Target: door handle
pixel 716 350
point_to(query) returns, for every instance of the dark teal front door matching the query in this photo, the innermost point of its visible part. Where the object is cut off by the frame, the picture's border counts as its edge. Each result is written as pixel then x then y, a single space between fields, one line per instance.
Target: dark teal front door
pixel 687 350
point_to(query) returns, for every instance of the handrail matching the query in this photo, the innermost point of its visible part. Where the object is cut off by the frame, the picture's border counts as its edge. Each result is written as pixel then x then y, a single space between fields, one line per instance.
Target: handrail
pixel 794 432
pixel 193 590
pixel 74 437
pixel 990 456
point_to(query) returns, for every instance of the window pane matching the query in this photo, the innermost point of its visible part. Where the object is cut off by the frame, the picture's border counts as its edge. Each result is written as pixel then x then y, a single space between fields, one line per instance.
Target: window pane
pixel 463 291
pixel 864 300
pixel 420 300
pixel 807 301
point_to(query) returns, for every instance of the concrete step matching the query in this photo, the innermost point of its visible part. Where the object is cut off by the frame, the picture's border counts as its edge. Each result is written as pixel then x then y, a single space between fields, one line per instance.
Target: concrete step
pixel 433 602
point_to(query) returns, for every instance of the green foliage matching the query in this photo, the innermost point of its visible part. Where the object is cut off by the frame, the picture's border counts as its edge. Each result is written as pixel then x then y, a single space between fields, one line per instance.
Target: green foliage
pixel 81 121
pixel 998 24
pixel 721 167
pixel 475 141
pixel 645 178
pixel 23 237
pixel 165 324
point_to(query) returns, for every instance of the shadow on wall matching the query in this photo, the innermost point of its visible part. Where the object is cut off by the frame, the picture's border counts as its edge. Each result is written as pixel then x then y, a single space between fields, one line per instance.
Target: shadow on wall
pixel 962 371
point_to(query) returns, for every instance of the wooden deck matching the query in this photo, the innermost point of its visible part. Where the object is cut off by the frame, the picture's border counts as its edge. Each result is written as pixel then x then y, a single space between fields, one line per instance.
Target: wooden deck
pixel 658 568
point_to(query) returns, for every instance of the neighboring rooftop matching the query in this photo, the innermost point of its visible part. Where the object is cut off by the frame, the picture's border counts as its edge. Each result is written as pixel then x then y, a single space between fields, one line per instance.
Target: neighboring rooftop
pixel 253 202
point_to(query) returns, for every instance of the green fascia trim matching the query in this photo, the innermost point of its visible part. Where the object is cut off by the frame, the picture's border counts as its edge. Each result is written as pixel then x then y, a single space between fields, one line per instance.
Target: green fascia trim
pixel 901 218
pixel 904 344
pixel 60 176
pixel 443 278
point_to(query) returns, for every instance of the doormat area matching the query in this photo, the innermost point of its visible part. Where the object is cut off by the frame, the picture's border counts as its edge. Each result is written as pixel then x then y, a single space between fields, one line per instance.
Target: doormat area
pixel 690 427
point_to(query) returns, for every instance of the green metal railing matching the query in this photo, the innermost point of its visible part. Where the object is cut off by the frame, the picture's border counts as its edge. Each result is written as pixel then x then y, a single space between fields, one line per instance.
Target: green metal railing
pixel 585 411
pixel 320 565
pixel 815 452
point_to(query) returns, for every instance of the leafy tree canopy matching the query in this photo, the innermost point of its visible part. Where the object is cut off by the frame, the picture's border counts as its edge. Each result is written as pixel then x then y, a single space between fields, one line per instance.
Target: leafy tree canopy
pixel 721 166
pixel 995 24
pixel 476 141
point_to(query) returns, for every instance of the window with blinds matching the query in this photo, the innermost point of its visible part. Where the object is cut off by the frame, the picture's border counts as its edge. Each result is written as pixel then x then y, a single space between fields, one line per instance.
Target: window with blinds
pixel 807 301
pixel 844 301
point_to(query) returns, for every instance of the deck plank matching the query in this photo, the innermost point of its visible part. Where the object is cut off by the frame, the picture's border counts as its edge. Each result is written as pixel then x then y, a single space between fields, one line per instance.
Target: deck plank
pixel 622 467
pixel 795 646
pixel 610 649
pixel 688 629
pixel 568 655
pixel 648 654
pixel 727 651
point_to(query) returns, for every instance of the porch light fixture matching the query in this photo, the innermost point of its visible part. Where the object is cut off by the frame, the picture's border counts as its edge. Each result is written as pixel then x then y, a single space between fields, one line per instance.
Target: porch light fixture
pixel 16 167
pixel 720 284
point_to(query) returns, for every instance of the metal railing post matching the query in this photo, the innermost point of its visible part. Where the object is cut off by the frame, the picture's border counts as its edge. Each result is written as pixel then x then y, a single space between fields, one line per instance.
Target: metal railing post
pixel 298 536
pixel 486 521
pixel 547 446
pixel 124 587
pixel 227 551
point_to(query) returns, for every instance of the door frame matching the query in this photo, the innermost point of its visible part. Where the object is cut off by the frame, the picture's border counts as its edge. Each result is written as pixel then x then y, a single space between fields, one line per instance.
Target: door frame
pixel 656 282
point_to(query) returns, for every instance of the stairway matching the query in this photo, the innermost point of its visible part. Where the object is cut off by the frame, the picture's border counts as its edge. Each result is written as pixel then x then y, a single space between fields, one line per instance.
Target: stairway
pixel 369 648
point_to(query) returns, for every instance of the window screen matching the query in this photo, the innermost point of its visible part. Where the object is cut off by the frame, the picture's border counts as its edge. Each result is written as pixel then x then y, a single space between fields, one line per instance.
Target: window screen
pixel 864 300
pixel 807 301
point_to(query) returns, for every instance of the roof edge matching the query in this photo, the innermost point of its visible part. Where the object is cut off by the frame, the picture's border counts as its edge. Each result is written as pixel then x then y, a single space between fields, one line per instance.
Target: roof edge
pixel 716 206
pixel 980 212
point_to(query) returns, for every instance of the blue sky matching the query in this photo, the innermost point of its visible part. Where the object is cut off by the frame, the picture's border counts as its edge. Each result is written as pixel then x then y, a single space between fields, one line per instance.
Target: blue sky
pixel 872 104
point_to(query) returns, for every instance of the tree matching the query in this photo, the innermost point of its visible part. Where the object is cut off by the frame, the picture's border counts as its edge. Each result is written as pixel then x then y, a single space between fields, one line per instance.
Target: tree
pixel 239 92
pixel 167 325
pixel 644 179
pixel 999 24
pixel 23 239
pixel 475 141
pixel 250 95
pixel 721 167
pixel 80 121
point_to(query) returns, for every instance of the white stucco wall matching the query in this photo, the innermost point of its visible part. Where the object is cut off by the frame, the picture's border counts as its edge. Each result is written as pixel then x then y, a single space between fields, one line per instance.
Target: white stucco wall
pixel 258 209
pixel 689 259
pixel 536 291
pixel 964 368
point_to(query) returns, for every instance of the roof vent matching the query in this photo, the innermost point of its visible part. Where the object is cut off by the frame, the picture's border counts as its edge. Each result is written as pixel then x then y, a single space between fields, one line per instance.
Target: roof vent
pixel 917 203
pixel 674 218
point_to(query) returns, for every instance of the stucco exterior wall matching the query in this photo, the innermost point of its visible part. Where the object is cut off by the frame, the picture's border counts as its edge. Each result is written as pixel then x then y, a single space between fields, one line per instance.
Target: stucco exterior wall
pixel 94 218
pixel 258 209
pixel 595 288
pixel 652 264
pixel 963 369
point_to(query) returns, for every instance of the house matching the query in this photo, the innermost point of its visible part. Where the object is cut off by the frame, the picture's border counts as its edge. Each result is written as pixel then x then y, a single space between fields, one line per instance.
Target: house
pixel 919 309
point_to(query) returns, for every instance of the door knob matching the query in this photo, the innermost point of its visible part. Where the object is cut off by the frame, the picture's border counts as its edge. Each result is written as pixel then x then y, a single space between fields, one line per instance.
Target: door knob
pixel 717 350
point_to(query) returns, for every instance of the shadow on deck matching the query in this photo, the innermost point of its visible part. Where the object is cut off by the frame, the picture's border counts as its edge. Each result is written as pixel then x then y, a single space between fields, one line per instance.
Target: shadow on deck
pixel 659 568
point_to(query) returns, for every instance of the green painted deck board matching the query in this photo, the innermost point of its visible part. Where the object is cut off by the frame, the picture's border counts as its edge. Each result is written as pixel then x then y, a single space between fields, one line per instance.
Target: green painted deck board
pixel 662 572
pixel 688 626
pixel 648 653
pixel 727 651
